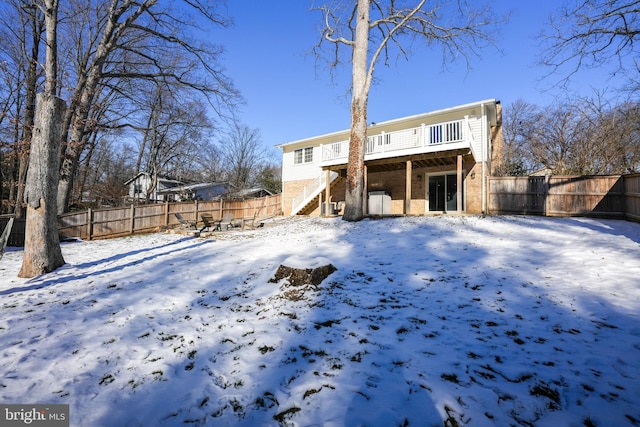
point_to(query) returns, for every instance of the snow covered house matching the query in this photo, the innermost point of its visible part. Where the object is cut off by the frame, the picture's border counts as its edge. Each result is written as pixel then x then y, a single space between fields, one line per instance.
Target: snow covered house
pixel 434 162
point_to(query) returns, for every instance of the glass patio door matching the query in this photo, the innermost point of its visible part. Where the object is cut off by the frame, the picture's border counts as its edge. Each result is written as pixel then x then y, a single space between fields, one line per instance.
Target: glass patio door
pixel 443 193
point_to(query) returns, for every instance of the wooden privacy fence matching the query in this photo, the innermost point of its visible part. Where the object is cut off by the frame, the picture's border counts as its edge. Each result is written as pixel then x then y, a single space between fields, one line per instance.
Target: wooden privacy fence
pixel 113 222
pixel 16 238
pixel 616 196
pixel 632 196
pixel 607 196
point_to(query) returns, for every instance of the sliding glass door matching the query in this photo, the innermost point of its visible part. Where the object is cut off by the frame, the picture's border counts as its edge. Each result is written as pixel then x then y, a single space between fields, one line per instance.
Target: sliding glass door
pixel 443 193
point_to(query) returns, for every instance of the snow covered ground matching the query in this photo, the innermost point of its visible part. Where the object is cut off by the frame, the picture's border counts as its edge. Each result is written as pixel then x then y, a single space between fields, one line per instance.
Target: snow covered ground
pixel 455 321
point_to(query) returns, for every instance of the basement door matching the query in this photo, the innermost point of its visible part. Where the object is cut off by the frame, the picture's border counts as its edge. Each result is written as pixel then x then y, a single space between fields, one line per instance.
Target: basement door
pixel 443 193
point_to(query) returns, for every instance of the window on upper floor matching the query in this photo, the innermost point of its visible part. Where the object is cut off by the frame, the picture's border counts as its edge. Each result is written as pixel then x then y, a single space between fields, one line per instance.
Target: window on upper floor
pixel 303 155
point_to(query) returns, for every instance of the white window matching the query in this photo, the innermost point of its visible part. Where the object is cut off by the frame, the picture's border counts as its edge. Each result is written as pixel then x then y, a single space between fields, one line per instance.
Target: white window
pixel 303 155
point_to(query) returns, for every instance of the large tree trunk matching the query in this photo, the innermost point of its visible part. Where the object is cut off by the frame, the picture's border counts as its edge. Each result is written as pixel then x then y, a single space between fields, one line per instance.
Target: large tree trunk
pixel 42 252
pixel 355 167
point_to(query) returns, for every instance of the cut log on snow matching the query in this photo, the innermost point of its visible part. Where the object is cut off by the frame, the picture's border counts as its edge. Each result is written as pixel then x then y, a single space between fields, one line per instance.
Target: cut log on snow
pixel 296 276
pixel 303 276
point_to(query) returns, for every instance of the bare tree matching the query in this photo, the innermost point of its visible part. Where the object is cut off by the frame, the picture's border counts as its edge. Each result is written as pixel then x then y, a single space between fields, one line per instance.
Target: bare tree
pixel 582 136
pixel 209 164
pixel 611 140
pixel 172 128
pixel 519 125
pixel 113 24
pixel 628 155
pixel 22 27
pixel 145 40
pixel 371 30
pixel 107 48
pixel 10 107
pixel 36 23
pixel 104 175
pixel 103 129
pixel 557 135
pixel 243 154
pixel 42 252
pixel 594 33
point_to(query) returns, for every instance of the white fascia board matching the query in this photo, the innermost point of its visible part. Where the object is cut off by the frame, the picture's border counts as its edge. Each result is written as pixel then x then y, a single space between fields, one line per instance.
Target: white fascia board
pixel 313 140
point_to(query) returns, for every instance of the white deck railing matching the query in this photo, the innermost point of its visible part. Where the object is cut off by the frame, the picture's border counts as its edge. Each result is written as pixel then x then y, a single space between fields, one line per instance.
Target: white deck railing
pixel 406 139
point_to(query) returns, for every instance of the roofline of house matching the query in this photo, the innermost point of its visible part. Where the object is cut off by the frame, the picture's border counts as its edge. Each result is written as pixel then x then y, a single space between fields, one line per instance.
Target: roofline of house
pixel 135 177
pixel 253 190
pixel 194 186
pixel 149 175
pixel 400 120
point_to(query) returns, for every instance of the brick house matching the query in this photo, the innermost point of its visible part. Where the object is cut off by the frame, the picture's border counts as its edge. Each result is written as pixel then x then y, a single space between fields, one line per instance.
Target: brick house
pixel 435 162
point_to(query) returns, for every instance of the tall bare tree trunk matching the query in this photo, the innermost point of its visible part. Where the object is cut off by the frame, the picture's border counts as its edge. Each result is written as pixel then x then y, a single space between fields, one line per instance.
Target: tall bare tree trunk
pixel 75 145
pixel 29 111
pixel 354 197
pixel 25 141
pixel 42 252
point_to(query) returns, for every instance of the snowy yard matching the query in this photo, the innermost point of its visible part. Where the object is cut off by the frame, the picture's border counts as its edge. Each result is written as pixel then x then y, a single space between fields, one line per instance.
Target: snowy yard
pixel 440 321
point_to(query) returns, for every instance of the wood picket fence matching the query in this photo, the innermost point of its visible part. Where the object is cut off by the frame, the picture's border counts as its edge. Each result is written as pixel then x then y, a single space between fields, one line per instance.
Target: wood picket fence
pixel 114 222
pixel 616 196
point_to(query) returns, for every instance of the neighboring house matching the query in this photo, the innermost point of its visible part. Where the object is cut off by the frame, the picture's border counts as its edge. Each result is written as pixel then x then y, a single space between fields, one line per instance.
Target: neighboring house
pixel 141 185
pixel 428 163
pixel 251 193
pixel 542 172
pixel 203 191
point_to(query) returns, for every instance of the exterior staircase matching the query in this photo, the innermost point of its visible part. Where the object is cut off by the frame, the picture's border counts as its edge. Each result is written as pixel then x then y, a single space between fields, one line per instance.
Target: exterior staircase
pixel 309 195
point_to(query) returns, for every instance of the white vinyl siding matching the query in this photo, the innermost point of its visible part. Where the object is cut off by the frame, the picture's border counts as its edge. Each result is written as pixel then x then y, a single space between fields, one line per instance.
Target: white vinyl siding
pixel 478 138
pixel 296 171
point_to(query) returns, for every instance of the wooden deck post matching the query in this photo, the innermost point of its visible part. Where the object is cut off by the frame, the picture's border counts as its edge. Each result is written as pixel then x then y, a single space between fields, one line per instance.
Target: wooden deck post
pixel 89 223
pixel 327 191
pixel 132 214
pixel 547 201
pixel 407 195
pixel 365 205
pixel 459 184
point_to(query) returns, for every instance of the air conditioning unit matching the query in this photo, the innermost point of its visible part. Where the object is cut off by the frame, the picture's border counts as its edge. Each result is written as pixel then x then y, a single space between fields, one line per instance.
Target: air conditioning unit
pixel 379 203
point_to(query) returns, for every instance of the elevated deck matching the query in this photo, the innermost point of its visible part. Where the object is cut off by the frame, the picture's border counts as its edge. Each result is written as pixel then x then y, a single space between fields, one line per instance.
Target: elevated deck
pixel 435 138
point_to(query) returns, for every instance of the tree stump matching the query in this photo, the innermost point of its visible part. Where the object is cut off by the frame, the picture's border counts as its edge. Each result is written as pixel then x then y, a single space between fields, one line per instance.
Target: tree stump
pixel 297 276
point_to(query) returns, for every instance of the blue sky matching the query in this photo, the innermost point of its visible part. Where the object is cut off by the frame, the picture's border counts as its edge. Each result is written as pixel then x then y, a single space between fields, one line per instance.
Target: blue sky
pixel 289 97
